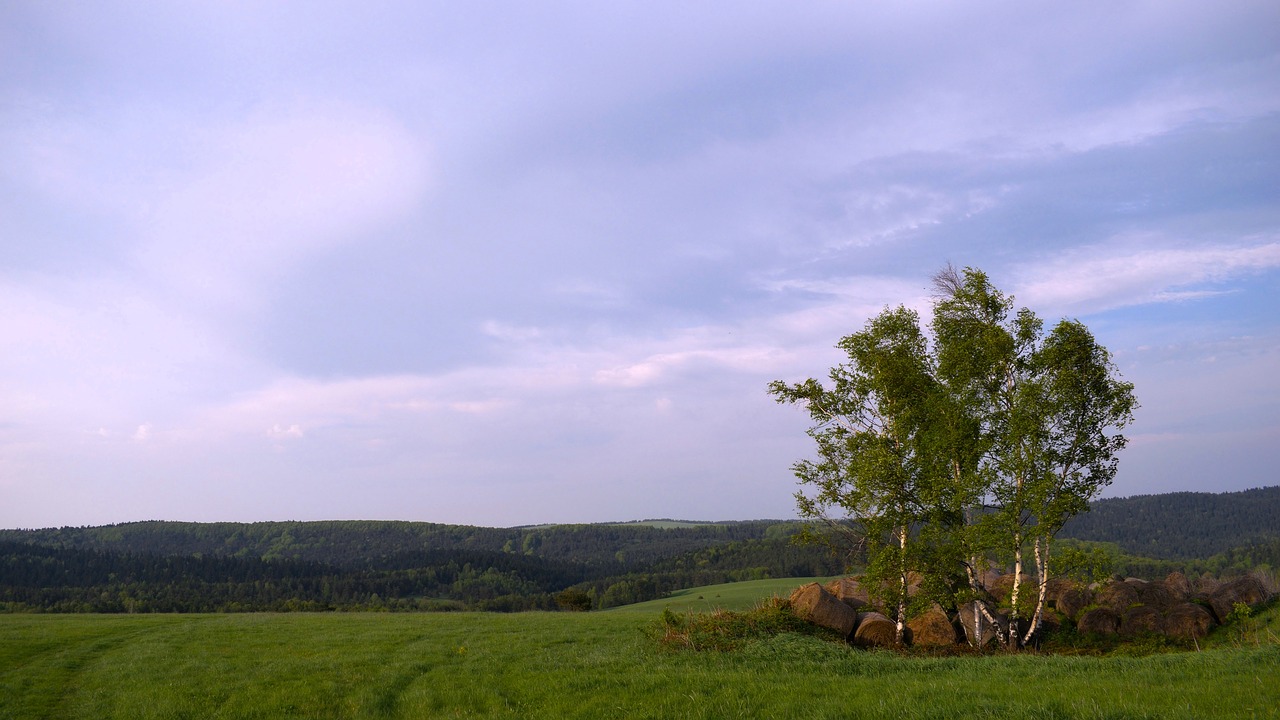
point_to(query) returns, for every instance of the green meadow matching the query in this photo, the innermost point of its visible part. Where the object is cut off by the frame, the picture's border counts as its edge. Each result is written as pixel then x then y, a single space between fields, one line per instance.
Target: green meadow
pixel 730 596
pixel 587 665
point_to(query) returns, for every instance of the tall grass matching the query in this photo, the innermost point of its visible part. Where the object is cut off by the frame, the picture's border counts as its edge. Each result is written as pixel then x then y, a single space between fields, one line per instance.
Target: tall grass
pixel 570 665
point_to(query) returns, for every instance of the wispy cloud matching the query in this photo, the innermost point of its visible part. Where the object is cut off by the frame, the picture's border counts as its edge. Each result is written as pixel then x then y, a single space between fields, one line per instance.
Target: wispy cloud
pixel 1137 271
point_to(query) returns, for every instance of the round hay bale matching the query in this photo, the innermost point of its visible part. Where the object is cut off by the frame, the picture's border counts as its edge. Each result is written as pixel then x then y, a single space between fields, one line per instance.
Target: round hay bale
pixel 1117 596
pixel 1178 585
pixel 1156 595
pixel 875 630
pixel 1001 588
pixel 987 632
pixel 849 591
pixel 1072 600
pixel 1141 619
pixel 1101 620
pixel 1187 620
pixel 1204 586
pixel 813 603
pixel 1054 589
pixel 913 580
pixel 932 629
pixel 1247 589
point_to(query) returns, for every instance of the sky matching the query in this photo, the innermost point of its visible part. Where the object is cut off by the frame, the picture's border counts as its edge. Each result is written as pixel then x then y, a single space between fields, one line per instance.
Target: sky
pixel 515 263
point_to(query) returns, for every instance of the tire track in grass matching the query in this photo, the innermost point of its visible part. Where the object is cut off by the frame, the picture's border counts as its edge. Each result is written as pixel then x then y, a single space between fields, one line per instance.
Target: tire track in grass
pixel 387 701
pixel 60 667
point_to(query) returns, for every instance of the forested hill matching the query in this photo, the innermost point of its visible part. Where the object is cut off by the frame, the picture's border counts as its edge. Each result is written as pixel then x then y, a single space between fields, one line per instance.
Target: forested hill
pixel 355 544
pixel 371 565
pixel 1183 525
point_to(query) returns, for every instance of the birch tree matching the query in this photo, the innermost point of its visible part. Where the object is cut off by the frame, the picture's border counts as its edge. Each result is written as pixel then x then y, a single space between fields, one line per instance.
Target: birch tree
pixel 873 464
pixel 1050 409
pixel 968 452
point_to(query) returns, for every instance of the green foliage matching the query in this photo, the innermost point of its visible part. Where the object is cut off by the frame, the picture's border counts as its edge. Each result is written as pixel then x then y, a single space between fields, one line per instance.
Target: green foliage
pixel 950 456
pixel 573 600
pixel 1085 562
pixel 726 630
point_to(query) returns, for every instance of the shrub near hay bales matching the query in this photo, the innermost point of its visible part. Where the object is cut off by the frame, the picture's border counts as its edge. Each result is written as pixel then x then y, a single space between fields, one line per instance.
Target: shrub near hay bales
pixel 725 630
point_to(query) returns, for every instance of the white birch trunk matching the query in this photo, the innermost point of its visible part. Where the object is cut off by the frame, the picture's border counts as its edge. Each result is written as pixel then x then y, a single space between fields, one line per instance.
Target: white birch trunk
pixel 902 577
pixel 1017 583
pixel 981 612
pixel 1042 569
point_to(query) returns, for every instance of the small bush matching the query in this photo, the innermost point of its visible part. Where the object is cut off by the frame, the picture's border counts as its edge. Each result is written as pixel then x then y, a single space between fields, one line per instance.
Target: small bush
pixel 726 630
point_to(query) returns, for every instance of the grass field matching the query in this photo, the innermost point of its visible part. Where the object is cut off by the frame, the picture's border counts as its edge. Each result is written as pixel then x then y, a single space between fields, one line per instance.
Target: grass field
pixel 586 665
pixel 732 596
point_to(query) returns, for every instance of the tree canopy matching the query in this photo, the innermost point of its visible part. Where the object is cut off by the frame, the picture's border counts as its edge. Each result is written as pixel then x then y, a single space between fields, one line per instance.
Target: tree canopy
pixel 959 453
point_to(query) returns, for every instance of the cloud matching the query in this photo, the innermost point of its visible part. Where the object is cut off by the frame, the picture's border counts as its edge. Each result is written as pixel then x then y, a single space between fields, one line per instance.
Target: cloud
pixel 1137 271
pixel 292 431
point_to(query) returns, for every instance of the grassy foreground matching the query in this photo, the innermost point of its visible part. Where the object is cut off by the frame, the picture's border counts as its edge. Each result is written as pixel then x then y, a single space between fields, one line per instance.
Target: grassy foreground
pixel 568 665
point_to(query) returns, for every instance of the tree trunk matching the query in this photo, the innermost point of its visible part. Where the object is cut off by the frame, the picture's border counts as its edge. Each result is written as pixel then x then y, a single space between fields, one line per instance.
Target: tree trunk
pixel 1042 570
pixel 902 588
pixel 1013 595
pixel 980 609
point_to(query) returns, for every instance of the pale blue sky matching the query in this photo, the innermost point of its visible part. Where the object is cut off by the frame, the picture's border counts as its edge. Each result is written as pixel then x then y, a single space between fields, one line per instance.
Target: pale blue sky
pixel 508 263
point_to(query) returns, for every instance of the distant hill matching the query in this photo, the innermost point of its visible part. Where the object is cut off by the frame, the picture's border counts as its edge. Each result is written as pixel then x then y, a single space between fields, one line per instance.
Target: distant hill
pixel 206 567
pixel 373 543
pixel 351 565
pixel 1182 525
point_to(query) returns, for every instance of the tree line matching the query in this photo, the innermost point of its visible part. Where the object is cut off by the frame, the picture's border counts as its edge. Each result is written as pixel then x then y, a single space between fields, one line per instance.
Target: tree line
pixel 64 577
pixel 1182 525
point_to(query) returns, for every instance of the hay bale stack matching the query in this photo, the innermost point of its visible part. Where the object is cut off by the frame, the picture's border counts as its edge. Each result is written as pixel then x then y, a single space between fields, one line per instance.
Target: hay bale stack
pixel 1001 587
pixel 1101 620
pixel 932 629
pixel 1072 600
pixel 987 632
pixel 1247 589
pixel 1204 586
pixel 849 591
pixel 1054 589
pixel 1179 586
pixel 1117 596
pixel 875 630
pixel 1187 620
pixel 814 604
pixel 1156 595
pixel 1141 619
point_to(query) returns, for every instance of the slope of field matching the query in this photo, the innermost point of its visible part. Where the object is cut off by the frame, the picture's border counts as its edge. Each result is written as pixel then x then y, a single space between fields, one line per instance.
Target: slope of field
pixel 556 665
pixel 728 596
